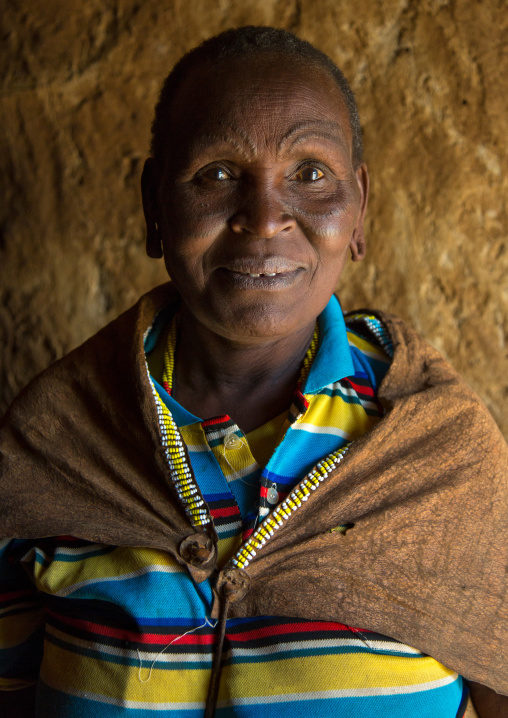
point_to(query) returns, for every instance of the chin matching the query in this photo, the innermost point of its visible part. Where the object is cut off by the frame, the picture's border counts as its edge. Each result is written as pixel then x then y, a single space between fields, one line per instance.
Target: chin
pixel 260 321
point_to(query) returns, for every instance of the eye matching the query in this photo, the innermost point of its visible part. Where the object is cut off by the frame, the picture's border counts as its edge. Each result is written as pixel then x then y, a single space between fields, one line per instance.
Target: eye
pixel 214 174
pixel 218 173
pixel 309 174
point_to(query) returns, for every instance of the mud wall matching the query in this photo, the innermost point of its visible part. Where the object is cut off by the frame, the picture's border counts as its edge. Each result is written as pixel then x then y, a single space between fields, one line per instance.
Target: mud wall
pixel 79 82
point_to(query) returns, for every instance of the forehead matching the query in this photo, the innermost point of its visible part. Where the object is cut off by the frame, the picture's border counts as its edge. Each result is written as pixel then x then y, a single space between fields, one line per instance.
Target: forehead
pixel 259 99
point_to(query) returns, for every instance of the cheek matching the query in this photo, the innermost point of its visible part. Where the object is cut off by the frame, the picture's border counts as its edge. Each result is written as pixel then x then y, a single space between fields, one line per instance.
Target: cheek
pixel 327 231
pixel 195 219
pixel 330 231
pixel 331 219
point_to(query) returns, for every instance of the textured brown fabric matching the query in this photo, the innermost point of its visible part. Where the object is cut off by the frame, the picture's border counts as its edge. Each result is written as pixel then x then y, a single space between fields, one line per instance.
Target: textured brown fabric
pixel 426 490
pixel 80 446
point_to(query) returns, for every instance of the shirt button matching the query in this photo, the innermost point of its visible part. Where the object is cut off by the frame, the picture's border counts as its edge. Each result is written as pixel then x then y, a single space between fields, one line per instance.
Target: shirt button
pixel 232 441
pixel 272 496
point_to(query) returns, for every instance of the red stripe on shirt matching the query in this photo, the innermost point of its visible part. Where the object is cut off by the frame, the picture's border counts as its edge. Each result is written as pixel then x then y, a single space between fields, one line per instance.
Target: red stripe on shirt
pixel 226 511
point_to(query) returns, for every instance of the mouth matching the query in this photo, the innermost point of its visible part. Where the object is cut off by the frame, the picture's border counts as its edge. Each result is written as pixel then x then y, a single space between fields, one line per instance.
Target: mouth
pixel 266 280
pixel 269 266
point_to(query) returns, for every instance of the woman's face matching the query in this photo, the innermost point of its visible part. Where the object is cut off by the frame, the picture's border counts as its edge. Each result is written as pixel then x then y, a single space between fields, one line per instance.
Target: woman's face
pixel 258 204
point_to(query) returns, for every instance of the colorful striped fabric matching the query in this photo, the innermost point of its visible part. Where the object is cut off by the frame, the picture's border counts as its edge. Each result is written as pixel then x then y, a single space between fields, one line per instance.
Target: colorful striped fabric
pixel 126 632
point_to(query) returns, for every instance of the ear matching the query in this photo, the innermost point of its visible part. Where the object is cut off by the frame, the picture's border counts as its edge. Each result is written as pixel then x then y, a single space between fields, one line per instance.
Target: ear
pixel 357 245
pixel 149 185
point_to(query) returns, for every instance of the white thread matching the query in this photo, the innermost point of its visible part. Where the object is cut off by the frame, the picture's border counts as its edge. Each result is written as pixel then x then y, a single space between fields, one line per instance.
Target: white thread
pixel 362 638
pixel 192 630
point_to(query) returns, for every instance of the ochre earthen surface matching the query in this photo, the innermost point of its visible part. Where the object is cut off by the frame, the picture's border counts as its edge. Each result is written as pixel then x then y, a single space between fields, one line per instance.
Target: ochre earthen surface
pixel 79 82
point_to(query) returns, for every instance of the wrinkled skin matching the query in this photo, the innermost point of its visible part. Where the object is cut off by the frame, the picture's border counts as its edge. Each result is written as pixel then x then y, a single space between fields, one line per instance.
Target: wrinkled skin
pixel 258 180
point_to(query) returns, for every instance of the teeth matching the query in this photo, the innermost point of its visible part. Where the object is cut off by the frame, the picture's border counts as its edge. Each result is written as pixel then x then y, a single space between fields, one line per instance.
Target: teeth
pixel 263 274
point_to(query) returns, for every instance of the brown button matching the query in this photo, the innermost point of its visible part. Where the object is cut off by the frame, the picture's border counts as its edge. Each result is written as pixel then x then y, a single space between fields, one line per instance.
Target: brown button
pixel 233 583
pixel 197 550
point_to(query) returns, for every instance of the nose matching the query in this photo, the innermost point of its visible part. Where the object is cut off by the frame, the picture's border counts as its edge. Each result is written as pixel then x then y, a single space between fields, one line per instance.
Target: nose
pixel 262 213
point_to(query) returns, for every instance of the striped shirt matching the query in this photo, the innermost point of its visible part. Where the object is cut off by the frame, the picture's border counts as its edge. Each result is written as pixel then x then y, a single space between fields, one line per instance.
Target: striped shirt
pixel 113 631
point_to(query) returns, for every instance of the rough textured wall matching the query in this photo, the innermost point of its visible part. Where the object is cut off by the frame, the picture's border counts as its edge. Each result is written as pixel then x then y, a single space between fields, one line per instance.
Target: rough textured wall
pixel 79 81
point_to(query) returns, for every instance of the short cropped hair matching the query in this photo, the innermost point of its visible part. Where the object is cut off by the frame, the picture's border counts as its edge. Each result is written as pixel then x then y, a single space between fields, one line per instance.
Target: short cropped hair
pixel 246 41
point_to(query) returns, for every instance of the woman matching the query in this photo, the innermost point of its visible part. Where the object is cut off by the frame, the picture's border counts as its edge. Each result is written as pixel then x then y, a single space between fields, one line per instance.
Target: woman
pixel 249 504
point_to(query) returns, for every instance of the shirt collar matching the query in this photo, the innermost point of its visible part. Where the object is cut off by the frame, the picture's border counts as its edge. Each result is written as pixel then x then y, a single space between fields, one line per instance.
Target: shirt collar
pixel 333 360
pixel 181 416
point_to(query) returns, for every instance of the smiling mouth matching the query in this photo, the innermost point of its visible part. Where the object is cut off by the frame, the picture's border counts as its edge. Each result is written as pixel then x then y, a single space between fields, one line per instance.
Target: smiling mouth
pixel 271 272
pixel 255 267
pixel 246 280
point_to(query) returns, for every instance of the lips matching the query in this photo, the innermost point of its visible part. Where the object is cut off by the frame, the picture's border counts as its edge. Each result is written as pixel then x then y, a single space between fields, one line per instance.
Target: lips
pixel 260 280
pixel 262 266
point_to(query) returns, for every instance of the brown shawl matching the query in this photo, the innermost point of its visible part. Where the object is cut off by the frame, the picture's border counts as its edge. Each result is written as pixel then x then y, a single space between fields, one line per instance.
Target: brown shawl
pixel 427 492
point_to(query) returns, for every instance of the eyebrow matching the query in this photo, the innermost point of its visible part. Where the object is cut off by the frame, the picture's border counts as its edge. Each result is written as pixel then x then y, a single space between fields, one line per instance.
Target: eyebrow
pixel 302 131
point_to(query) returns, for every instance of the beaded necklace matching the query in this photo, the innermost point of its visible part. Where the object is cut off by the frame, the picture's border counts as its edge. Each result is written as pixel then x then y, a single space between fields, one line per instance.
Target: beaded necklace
pixel 172 441
pixel 323 468
pixel 182 474
pixel 169 356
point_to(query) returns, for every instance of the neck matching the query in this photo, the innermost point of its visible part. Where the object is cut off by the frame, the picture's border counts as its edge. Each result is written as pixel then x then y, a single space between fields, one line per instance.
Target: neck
pixel 250 382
